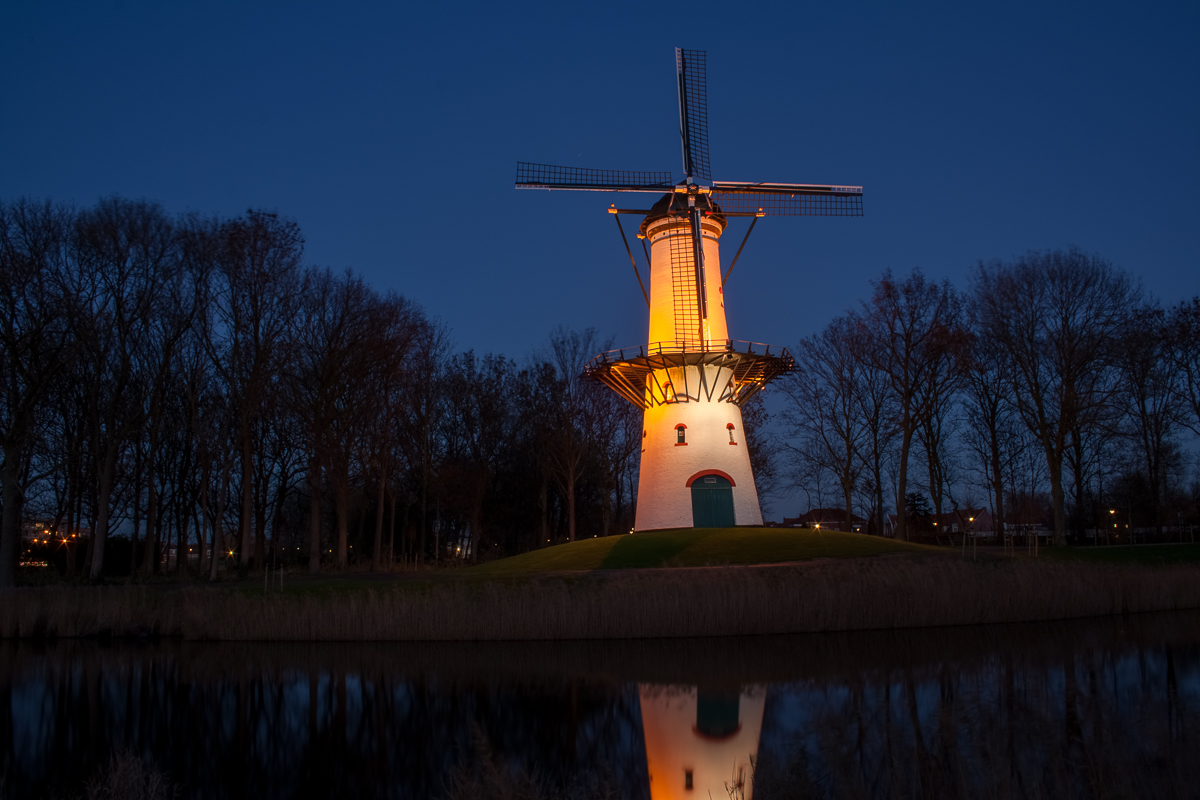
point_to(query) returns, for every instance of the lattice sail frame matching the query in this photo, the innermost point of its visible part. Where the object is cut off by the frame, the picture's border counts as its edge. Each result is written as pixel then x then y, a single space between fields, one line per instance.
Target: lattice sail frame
pixel 667 373
pixel 839 201
pixel 691 67
pixel 586 179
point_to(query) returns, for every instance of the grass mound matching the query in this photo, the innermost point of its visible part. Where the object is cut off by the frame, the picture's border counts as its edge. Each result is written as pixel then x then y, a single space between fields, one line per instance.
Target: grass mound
pixel 698 547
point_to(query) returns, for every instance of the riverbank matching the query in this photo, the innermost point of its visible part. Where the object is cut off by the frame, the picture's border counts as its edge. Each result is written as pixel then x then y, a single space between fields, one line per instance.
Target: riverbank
pixel 881 592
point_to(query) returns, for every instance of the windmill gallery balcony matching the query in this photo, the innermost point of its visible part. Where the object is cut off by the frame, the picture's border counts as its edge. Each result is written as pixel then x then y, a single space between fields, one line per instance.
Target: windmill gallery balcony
pixel 721 370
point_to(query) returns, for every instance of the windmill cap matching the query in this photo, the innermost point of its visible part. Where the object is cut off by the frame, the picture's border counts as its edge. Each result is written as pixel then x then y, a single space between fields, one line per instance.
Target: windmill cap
pixel 676 203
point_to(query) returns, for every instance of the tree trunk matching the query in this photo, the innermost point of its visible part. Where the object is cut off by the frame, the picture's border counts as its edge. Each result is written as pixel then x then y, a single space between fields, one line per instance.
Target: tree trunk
pixel 341 492
pixel 877 476
pixel 10 537
pixel 150 560
pixel 902 484
pixel 571 502
pixel 137 514
pixel 936 482
pixel 425 466
pixel 997 485
pixel 201 523
pixel 1058 499
pixel 104 481
pixel 262 499
pixel 181 539
pixel 247 496
pixel 314 513
pixel 544 506
pixel 391 552
pixel 218 540
pixel 847 497
pixel 277 514
pixel 72 525
pixel 260 529
pixel 377 550
pixel 1079 480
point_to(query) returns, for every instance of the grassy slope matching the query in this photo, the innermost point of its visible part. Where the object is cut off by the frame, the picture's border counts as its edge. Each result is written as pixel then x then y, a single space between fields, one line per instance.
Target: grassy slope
pixel 697 547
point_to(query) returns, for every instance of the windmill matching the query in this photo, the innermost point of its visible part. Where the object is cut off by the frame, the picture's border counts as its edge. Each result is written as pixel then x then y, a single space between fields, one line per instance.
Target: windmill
pixel 690 378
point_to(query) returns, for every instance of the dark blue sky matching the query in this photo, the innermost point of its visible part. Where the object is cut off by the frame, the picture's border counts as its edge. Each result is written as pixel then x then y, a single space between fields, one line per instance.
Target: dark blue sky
pixel 391 131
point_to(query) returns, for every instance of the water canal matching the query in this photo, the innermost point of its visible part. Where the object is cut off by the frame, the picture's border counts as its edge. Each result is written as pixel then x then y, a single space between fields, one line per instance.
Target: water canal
pixel 1091 708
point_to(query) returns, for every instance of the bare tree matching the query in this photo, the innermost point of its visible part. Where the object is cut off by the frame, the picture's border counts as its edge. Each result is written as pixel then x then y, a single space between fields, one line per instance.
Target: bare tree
pixel 613 430
pixel 823 408
pixel 255 307
pixel 937 396
pixel 989 414
pixel 1057 314
pixel 479 423
pixel 123 253
pixel 332 356
pixel 876 405
pixel 395 325
pixel 35 346
pixel 1183 349
pixel 566 438
pixel 910 325
pixel 171 314
pixel 1149 395
pixel 424 406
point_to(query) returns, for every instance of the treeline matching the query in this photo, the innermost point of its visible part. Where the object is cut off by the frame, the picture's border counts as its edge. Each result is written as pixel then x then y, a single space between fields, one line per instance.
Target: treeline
pixel 1050 391
pixel 191 383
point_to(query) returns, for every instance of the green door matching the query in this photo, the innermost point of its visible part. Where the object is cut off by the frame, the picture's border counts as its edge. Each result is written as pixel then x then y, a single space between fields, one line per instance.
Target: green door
pixel 717 714
pixel 712 502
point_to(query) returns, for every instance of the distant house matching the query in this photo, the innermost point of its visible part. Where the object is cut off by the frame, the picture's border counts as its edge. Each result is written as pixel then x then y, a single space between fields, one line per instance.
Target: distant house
pixel 975 522
pixel 958 522
pixel 41 531
pixel 831 518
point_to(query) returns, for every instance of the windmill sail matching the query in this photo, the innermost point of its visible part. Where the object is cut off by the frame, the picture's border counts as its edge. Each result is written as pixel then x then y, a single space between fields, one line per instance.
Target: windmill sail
pixel 548 176
pixel 788 199
pixel 693 112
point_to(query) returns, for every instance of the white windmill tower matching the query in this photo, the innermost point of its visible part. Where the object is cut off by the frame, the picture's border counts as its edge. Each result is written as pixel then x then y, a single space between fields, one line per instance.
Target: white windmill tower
pixel 691 378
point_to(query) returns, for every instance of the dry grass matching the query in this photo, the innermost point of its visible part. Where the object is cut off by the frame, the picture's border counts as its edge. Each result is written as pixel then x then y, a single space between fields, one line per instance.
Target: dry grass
pixel 837 595
pixel 127 777
pixel 481 773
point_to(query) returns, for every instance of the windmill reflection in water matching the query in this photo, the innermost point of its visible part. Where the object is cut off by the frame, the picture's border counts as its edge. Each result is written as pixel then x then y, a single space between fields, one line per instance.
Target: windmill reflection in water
pixel 701 741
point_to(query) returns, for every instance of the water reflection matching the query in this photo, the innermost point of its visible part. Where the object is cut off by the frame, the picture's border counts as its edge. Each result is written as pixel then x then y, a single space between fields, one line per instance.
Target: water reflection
pixel 1086 709
pixel 700 739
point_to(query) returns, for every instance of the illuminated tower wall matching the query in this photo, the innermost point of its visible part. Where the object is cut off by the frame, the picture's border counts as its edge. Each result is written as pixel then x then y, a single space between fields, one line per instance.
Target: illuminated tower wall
pixel 713 438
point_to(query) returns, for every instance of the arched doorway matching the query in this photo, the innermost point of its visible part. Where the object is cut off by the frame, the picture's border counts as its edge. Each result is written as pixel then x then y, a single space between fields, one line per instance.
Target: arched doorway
pixel 712 502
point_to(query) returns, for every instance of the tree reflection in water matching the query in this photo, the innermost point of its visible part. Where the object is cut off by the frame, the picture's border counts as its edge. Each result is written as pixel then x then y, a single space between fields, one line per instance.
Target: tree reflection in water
pixel 1076 709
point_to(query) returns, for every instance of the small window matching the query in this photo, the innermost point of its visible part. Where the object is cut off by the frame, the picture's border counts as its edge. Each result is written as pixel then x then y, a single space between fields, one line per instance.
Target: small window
pixel 687 779
pixel 680 434
pixel 711 479
pixel 730 428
